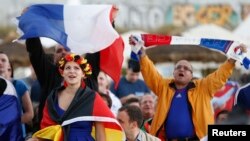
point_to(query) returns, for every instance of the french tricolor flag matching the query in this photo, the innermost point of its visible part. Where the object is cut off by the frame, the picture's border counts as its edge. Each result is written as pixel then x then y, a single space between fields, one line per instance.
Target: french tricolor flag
pixel 10 114
pixel 80 29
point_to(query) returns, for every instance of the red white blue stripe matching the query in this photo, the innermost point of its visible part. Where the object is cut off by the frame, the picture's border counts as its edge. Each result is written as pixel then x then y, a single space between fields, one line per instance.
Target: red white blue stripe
pixel 79 28
pixel 228 47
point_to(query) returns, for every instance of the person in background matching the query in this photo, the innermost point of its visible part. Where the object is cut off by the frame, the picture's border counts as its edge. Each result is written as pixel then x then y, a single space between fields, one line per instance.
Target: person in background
pixel 21 89
pixel 130 118
pixel 147 106
pixel 34 86
pixel 4 64
pixel 45 69
pixel 238 116
pixel 240 113
pixel 103 87
pixel 133 101
pixel 184 107
pixel 243 97
pixel 29 80
pixel 10 113
pixel 130 85
pixel 106 99
pixel 221 117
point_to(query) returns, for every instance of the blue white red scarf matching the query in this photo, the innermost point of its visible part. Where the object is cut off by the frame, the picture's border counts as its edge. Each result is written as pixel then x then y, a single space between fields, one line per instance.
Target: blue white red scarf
pixel 228 47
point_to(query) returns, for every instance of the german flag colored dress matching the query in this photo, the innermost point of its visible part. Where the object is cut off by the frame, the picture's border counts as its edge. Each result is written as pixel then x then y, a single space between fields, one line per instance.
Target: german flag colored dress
pixel 76 123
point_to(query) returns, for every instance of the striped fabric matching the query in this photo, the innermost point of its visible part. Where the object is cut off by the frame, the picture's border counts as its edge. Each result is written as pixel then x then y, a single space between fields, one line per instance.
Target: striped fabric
pixel 228 47
pixel 80 29
pixel 86 106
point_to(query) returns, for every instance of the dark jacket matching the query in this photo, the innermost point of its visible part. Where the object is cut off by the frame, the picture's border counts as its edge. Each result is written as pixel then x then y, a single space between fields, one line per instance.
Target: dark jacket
pixel 47 73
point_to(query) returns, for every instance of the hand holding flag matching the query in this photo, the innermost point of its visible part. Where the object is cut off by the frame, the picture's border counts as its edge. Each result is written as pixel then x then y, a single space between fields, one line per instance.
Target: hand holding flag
pixel 238 52
pixel 137 45
pixel 136 42
pixel 80 29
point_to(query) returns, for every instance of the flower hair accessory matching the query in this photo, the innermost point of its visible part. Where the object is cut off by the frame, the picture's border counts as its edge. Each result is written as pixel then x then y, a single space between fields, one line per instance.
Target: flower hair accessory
pixel 86 68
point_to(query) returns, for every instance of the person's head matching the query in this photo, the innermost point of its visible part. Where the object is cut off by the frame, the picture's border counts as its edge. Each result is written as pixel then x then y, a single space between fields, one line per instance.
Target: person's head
pixel 133 71
pixel 103 82
pixel 238 115
pixel 222 116
pixel 183 72
pixel 147 105
pixel 133 101
pixel 74 69
pixel 106 98
pixel 60 52
pixel 130 118
pixel 10 71
pixel 4 63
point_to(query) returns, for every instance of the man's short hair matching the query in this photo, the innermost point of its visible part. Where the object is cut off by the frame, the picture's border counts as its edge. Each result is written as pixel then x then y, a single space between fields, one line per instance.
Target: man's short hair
pixel 132 100
pixel 134 65
pixel 134 113
pixel 146 94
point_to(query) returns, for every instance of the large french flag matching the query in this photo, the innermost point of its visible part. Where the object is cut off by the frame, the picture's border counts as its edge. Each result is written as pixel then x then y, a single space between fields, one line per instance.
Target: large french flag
pixel 80 29
pixel 10 115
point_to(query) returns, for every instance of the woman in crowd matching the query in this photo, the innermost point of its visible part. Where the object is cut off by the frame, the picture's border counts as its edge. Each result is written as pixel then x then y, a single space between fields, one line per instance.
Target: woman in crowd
pixel 21 89
pixel 103 87
pixel 71 111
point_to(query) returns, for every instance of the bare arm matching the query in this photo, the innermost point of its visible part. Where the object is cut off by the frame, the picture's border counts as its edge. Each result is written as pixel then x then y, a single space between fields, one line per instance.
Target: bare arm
pixel 28 109
pixel 100 132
